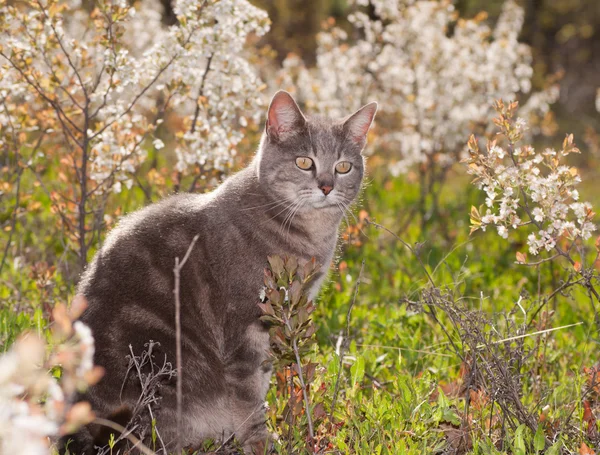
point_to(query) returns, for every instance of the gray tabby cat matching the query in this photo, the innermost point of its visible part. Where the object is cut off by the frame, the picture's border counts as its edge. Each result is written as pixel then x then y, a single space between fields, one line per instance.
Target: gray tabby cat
pixel 288 201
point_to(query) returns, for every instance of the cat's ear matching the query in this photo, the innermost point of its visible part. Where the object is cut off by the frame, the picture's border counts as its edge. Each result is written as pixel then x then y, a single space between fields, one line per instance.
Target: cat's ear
pixel 284 118
pixel 357 125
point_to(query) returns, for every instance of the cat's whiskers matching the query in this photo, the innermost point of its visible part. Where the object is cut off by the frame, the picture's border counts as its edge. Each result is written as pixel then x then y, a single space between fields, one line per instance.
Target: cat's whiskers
pixel 294 213
pixel 346 204
pixel 290 214
pixel 339 206
pixel 285 209
pixel 271 205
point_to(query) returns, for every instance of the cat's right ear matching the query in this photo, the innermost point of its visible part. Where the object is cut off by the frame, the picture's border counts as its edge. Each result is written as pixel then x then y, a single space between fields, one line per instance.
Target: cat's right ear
pixel 284 118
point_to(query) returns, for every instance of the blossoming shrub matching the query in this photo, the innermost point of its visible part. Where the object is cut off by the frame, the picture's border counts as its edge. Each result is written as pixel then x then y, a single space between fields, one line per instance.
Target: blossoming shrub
pixel 432 72
pixel 525 187
pixel 39 381
pixel 85 95
pixel 529 189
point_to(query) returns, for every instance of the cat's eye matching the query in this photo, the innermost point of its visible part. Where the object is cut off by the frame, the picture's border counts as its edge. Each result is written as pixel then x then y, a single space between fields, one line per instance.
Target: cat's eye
pixel 304 163
pixel 343 167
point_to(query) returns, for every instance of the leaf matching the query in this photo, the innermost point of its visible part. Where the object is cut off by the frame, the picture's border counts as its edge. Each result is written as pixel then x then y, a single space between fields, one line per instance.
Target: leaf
pixel 94 375
pixel 266 308
pixel 309 371
pixel 310 331
pixel 472 144
pixel 80 414
pixel 62 323
pixel 318 411
pixel 568 141
pixel 555 449
pixel 577 266
pixel 519 441
pixel 475 218
pixel 357 370
pixel 295 293
pixel 291 265
pixel 448 415
pixel 269 281
pixel 584 449
pixel 78 304
pixel 274 297
pixel 539 441
pixel 588 415
pixel 521 257
pixel 276 264
pixel 598 243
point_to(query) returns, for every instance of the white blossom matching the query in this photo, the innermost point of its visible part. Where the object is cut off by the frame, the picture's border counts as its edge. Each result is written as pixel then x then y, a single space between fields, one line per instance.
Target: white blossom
pixel 199 66
pixel 34 405
pixel 433 86
pixel 523 183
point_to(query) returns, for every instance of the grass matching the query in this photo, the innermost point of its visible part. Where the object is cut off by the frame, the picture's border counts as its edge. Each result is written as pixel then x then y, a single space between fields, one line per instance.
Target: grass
pixel 404 388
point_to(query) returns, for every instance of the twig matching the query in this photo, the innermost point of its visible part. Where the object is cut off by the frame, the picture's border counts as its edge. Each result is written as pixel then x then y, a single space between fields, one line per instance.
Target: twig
pixel 124 433
pixel 201 92
pixel 177 271
pixel 345 344
pixel 311 431
pixel 539 332
pixel 162 443
pixel 195 121
pixel 398 348
pixel 558 290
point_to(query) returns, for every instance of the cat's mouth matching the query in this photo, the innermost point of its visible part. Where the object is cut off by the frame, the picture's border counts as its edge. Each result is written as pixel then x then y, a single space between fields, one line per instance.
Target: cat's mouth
pixel 321 201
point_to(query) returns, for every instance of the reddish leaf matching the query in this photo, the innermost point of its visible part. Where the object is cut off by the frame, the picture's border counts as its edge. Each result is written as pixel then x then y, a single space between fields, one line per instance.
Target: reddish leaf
pixel 588 416
pixel 319 411
pixel 585 450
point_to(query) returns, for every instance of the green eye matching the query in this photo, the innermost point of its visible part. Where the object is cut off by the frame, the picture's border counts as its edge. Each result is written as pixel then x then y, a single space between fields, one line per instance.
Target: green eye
pixel 304 163
pixel 343 167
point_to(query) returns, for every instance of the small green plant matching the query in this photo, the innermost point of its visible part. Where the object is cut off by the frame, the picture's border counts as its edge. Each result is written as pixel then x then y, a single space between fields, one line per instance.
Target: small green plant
pixel 111 442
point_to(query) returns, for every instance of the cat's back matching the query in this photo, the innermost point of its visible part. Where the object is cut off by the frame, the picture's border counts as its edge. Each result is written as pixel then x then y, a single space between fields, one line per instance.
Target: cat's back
pixel 139 253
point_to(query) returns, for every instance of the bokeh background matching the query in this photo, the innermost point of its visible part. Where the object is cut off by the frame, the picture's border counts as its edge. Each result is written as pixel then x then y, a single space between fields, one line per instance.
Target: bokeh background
pixel 431 336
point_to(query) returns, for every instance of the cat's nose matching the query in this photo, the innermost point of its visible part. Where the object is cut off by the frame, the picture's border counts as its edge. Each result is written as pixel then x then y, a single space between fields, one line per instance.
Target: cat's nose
pixel 326 189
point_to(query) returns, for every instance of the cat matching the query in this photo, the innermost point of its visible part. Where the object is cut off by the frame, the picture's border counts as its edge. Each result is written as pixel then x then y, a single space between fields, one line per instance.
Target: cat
pixel 290 200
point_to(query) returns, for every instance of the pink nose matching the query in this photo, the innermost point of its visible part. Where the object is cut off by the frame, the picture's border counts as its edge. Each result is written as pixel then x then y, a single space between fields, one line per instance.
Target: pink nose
pixel 326 189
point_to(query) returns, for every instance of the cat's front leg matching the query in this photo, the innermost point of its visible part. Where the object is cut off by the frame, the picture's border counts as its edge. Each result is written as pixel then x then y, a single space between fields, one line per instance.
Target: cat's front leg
pixel 248 375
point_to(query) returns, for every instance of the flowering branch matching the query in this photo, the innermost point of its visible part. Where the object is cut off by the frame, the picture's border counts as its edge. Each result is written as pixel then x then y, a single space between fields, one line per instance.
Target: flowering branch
pixel 528 188
pixel 94 82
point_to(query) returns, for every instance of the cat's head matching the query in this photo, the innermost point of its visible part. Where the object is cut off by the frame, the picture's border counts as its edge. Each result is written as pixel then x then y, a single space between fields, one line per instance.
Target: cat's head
pixel 314 163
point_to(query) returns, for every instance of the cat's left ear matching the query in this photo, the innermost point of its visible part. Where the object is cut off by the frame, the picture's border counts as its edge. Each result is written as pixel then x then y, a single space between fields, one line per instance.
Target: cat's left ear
pixel 284 118
pixel 357 125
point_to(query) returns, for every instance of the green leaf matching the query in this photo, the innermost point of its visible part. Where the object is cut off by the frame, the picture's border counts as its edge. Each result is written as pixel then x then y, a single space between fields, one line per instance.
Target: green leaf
pixel 448 415
pixel 539 441
pixel 357 370
pixel 519 441
pixel 555 449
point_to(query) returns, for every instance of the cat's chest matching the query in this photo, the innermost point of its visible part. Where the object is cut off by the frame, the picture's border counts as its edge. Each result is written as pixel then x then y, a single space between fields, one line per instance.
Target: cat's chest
pixel 247 257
